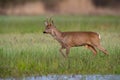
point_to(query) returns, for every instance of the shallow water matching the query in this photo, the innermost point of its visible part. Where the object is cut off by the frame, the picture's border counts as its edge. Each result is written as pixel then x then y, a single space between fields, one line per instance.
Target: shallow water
pixel 69 77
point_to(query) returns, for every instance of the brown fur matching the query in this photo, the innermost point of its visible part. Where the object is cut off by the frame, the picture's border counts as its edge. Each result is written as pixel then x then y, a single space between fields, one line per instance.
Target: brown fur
pixel 91 40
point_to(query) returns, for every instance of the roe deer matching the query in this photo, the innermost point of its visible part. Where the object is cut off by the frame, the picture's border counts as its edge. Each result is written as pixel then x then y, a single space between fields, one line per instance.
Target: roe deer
pixel 91 40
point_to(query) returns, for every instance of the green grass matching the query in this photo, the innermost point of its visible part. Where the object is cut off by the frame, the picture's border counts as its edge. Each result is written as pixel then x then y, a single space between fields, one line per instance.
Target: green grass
pixel 25 50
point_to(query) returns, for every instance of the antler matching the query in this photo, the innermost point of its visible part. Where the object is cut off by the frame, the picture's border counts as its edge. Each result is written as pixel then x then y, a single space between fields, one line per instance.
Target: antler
pixel 50 20
pixel 47 20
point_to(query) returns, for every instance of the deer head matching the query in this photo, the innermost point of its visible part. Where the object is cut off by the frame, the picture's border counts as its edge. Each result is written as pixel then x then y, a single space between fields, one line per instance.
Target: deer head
pixel 49 27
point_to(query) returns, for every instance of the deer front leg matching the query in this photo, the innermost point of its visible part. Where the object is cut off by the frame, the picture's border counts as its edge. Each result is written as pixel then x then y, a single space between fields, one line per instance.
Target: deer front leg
pixel 67 51
pixel 61 51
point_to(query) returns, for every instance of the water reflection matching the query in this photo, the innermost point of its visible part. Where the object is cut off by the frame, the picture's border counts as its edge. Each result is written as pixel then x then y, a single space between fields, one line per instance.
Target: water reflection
pixel 70 77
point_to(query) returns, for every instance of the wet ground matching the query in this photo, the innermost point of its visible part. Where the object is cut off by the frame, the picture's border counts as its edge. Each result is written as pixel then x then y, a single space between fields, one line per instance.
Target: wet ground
pixel 69 77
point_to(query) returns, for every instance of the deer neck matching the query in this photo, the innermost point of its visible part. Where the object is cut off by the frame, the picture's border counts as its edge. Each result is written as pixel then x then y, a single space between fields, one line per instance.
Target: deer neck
pixel 57 34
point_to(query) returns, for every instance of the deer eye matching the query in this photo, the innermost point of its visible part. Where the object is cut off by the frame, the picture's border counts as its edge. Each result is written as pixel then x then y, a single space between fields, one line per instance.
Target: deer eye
pixel 48 28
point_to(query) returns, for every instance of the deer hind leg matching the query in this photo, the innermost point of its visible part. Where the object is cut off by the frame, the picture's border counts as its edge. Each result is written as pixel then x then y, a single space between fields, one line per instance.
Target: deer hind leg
pixel 92 48
pixel 102 49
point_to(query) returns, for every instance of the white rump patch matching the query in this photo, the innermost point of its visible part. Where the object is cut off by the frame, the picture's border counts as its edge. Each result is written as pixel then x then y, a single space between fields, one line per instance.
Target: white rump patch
pixel 99 36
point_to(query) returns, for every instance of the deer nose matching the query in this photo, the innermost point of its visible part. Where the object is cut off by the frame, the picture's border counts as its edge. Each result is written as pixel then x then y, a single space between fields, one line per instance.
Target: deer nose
pixel 44 32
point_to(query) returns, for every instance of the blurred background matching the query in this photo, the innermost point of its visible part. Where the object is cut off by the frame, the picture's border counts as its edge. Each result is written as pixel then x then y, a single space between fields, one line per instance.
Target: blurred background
pixel 40 7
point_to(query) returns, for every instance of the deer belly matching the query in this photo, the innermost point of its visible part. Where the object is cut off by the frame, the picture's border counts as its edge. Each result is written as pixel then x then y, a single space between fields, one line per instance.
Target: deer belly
pixel 80 43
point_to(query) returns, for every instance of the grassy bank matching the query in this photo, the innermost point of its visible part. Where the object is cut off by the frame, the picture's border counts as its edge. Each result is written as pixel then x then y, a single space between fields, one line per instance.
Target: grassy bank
pixel 25 50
